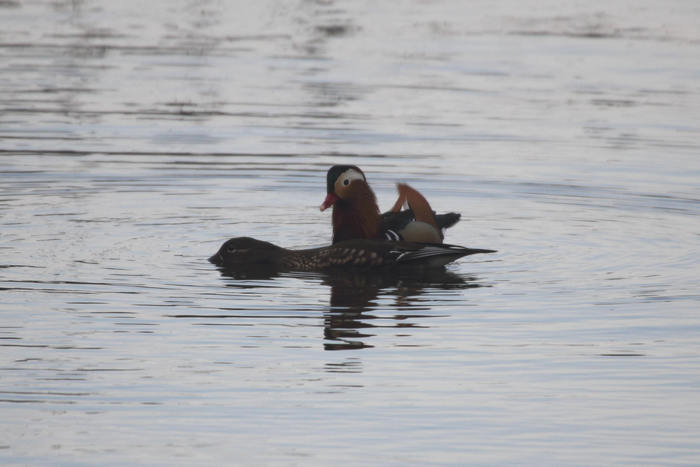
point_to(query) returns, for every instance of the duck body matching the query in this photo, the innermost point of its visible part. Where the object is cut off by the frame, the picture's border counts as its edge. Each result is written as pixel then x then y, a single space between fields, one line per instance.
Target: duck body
pixel 246 252
pixel 357 216
pixel 398 221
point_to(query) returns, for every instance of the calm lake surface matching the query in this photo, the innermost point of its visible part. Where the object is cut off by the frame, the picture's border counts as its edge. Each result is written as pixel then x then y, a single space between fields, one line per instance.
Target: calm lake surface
pixel 136 137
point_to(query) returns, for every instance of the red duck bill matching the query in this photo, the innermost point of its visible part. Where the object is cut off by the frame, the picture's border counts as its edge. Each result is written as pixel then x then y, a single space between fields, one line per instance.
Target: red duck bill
pixel 329 201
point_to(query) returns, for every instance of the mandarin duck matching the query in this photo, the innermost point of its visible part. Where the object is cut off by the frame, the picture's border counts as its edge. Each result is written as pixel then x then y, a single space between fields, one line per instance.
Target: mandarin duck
pixel 243 252
pixel 356 214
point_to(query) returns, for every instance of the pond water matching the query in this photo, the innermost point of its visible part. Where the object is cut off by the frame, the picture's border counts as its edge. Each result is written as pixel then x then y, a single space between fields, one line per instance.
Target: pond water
pixel 136 137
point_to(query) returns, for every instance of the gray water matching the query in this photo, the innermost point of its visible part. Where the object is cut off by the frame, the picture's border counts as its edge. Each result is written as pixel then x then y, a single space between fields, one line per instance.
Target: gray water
pixel 136 137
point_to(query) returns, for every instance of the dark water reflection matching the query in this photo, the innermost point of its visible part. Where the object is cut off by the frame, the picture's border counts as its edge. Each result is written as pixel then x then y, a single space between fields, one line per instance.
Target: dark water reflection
pixel 349 320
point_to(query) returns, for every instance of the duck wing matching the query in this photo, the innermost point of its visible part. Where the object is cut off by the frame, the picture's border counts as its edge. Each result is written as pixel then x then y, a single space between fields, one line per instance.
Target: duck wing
pixel 373 253
pixel 432 254
pixel 399 220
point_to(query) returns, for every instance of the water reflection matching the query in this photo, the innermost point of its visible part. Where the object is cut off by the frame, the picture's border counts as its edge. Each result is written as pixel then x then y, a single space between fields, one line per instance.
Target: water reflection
pixel 356 297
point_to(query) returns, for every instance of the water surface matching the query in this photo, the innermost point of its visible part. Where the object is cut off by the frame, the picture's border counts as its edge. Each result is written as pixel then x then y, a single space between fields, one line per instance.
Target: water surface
pixel 136 137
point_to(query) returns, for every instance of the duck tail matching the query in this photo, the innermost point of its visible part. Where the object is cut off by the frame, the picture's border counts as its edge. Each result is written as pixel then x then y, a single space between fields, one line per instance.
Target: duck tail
pixel 447 220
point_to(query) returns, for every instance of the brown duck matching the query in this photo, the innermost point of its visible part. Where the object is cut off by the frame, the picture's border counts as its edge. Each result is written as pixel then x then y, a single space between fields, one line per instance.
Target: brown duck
pixel 356 214
pixel 246 252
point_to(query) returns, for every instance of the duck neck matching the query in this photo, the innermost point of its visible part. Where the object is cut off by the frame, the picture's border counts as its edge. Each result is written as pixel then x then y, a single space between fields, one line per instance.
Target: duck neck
pixel 357 217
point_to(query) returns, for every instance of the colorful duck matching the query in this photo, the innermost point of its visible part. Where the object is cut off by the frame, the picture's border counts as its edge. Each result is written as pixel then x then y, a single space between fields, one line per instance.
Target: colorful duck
pixel 356 214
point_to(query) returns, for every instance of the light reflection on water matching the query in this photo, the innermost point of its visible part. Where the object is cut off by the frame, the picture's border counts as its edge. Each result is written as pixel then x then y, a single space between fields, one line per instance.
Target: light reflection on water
pixel 133 145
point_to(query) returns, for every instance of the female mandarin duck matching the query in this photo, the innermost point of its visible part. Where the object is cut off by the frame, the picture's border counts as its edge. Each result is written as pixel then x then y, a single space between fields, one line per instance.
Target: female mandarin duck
pixel 356 214
pixel 246 252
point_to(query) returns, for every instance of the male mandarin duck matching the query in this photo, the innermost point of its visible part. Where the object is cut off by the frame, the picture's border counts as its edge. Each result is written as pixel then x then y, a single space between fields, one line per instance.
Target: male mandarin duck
pixel 356 214
pixel 246 252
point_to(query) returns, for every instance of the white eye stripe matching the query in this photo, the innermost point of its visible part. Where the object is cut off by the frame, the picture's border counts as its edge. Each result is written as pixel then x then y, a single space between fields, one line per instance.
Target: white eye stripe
pixel 350 175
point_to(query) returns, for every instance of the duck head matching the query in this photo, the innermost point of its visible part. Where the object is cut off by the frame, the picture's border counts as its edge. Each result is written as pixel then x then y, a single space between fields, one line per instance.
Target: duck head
pixel 355 210
pixel 343 182
pixel 242 251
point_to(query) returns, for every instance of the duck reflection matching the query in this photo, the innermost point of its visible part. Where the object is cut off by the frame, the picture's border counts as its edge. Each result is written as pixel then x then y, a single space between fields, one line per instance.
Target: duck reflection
pixel 356 294
pixel 348 322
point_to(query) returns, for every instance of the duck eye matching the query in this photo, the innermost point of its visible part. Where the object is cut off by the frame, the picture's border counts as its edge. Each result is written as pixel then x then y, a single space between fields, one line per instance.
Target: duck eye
pixel 346 182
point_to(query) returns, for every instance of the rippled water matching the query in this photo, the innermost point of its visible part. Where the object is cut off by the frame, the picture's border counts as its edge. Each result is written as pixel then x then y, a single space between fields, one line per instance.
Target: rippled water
pixel 135 137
